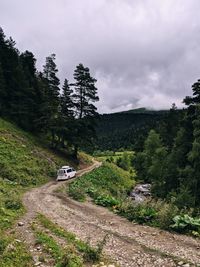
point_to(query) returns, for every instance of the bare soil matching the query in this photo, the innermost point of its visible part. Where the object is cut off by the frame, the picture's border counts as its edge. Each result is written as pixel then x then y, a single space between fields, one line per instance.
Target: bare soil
pixel 129 244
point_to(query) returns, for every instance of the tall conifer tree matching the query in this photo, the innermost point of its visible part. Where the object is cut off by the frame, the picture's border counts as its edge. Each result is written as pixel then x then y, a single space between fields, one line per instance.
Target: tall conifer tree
pixel 66 102
pixel 51 84
pixel 85 92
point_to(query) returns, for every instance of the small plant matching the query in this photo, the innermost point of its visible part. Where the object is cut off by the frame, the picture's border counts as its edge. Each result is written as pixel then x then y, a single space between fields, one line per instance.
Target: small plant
pixel 92 192
pixel 76 193
pixel 49 245
pixel 70 259
pixel 13 204
pixel 143 212
pixel 106 201
pixel 185 223
pixel 166 211
pixel 2 245
pixel 92 254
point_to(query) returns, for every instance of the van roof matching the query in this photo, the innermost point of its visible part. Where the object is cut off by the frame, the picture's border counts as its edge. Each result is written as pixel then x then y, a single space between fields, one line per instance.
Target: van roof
pixel 65 167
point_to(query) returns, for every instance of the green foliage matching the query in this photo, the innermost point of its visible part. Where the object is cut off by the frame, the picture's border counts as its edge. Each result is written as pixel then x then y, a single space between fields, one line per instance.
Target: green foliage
pixel 183 198
pixel 13 204
pixel 85 92
pixel 32 99
pixel 13 253
pixel 151 163
pixel 49 244
pixel 3 245
pixel 155 213
pixel 22 159
pixel 105 185
pixel 165 213
pixel 126 130
pixel 141 213
pixel 92 254
pixel 185 223
pixel 70 259
pixel 106 201
pixel 77 193
pixel 124 161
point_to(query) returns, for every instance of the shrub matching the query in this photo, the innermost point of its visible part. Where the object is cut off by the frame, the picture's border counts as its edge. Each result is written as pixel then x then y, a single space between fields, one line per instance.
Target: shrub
pixel 165 215
pixel 92 254
pixel 156 213
pixel 13 204
pixel 92 192
pixel 185 223
pixel 106 201
pixel 76 193
pixel 2 245
pixel 142 212
pixel 70 259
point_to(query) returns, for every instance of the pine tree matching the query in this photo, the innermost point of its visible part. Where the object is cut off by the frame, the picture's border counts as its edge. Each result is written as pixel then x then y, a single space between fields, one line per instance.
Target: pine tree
pixel 196 95
pixel 85 111
pixel 2 92
pixel 66 102
pixel 194 158
pixel 51 90
pixel 65 121
pixel 30 107
pixel 191 173
pixel 146 162
pixel 85 92
pixel 52 83
pixel 169 127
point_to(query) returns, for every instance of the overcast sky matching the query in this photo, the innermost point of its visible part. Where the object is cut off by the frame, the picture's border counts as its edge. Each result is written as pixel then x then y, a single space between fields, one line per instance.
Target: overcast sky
pixel 144 53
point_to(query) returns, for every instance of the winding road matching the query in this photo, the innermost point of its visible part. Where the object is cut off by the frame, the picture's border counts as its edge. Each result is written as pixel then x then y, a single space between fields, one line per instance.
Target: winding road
pixel 128 244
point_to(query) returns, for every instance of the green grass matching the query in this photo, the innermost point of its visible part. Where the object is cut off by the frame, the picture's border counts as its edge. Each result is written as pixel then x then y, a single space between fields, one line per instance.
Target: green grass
pixel 58 231
pixel 114 156
pixel 49 245
pixel 24 163
pixel 107 185
pixel 13 253
pixel 76 250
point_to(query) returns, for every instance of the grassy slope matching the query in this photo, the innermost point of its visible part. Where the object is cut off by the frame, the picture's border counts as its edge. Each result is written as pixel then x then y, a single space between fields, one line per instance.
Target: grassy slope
pixel 107 185
pixel 112 155
pixel 24 163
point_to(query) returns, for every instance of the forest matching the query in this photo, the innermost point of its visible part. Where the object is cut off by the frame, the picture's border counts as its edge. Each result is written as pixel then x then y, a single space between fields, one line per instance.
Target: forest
pixel 126 130
pixel 35 101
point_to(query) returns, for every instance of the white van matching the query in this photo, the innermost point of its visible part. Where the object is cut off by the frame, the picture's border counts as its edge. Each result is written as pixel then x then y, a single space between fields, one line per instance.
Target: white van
pixel 65 173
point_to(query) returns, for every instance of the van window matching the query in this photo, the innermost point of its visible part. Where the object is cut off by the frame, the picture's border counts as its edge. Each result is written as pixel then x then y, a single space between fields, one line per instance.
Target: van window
pixel 61 172
pixel 69 170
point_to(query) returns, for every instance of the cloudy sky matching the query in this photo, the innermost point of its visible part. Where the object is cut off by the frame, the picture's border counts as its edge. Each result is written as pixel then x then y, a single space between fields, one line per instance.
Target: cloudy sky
pixel 144 53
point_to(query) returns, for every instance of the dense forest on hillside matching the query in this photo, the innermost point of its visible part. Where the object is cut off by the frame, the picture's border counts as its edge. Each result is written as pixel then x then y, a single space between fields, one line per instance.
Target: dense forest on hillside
pixel 170 159
pixel 36 103
pixel 125 130
pixel 128 130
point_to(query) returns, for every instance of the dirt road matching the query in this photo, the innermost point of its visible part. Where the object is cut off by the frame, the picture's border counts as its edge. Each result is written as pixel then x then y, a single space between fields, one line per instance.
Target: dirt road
pixel 129 244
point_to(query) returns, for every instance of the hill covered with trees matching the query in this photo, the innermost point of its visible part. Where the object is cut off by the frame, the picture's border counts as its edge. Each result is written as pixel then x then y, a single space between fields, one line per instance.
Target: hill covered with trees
pixel 170 157
pixel 36 103
pixel 128 129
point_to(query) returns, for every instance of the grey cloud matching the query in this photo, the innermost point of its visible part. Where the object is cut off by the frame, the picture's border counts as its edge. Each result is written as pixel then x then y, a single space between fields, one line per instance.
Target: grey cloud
pixel 143 52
